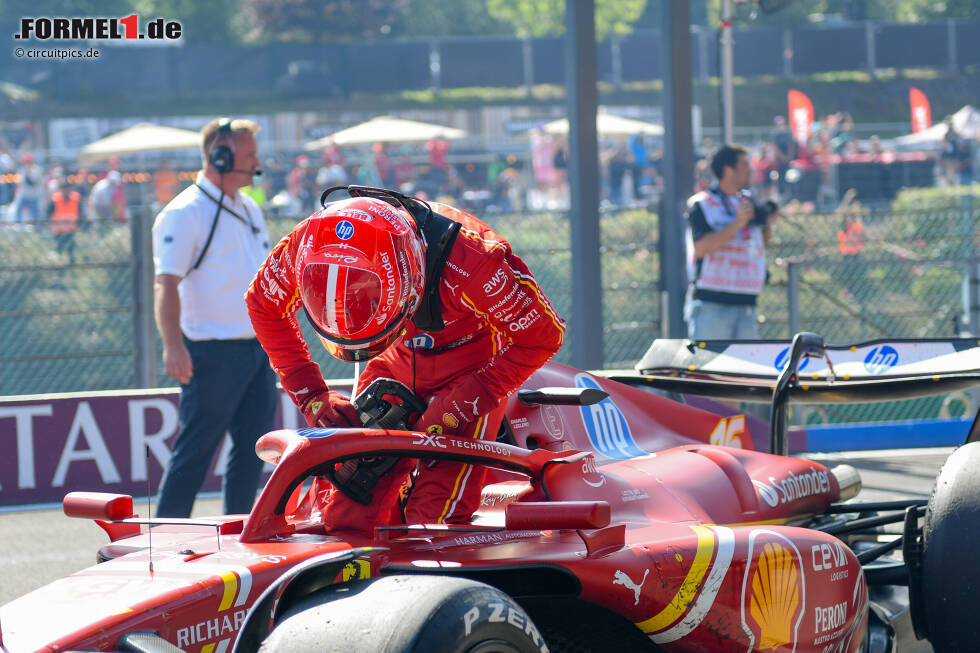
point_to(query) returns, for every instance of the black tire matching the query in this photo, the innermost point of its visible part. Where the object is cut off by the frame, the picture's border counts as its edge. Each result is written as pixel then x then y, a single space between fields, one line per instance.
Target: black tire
pixel 421 614
pixel 950 587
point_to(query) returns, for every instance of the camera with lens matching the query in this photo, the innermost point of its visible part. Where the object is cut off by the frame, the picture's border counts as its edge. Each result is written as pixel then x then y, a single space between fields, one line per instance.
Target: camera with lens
pixel 762 213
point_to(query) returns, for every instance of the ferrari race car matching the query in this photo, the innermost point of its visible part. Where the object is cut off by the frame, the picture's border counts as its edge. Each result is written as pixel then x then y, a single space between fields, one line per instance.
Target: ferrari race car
pixel 614 519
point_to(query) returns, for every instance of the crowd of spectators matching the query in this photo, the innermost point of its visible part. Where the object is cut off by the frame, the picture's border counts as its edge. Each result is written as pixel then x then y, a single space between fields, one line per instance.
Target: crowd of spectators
pixel 530 175
pixel 28 190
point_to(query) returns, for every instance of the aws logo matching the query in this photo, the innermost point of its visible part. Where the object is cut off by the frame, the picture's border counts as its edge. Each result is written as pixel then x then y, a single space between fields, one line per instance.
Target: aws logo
pixel 591 474
pixel 880 359
pixel 496 283
pixel 773 592
pixel 608 430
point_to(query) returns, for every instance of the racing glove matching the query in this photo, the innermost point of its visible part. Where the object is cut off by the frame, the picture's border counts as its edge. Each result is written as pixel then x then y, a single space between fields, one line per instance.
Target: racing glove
pixel 455 410
pixel 319 405
pixel 330 409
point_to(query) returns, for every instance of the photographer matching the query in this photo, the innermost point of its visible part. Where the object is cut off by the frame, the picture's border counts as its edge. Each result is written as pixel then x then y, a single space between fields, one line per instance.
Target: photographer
pixel 728 234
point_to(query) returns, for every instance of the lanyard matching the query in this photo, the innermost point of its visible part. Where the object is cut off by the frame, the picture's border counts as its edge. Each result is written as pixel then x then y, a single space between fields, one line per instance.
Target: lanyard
pixel 726 201
pixel 248 220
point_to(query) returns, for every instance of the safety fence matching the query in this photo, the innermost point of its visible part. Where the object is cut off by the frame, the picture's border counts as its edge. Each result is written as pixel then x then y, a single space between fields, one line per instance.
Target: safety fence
pixel 83 320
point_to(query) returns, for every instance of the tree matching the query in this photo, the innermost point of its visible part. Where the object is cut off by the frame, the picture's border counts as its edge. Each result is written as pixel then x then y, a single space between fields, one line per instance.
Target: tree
pixel 216 21
pixel 797 13
pixel 544 17
pixel 319 21
pixel 449 18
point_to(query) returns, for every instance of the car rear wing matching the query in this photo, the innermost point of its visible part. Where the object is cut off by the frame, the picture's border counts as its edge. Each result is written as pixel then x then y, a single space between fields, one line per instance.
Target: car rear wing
pixel 747 370
pixel 805 370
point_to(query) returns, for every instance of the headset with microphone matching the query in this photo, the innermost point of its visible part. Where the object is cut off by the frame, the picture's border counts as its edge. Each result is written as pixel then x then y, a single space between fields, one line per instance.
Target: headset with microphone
pixel 222 155
pixel 222 159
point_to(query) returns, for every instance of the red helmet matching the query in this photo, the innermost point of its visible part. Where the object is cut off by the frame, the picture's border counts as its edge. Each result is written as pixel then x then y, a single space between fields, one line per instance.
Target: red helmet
pixel 360 273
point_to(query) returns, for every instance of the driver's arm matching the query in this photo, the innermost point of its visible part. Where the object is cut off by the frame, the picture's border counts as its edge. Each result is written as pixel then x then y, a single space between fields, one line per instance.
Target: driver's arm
pixel 272 300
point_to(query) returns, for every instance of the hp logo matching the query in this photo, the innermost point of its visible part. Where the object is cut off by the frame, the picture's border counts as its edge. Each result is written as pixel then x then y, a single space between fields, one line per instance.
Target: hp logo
pixel 783 358
pixel 344 230
pixel 880 359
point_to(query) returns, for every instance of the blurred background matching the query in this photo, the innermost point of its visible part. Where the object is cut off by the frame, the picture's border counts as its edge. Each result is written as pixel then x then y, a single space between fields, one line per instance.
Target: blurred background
pixel 464 101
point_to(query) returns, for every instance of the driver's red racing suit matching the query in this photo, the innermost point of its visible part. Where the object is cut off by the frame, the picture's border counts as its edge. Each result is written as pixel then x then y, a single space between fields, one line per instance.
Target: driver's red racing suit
pixel 499 329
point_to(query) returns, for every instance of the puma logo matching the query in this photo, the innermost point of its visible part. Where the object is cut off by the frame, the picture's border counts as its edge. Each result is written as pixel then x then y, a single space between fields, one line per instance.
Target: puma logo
pixel 626 581
pixel 451 287
pixel 473 403
pixel 299 393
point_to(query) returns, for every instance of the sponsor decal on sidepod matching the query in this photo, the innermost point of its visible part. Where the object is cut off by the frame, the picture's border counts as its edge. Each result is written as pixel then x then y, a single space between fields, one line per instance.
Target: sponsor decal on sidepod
pixel 606 425
pixel 793 487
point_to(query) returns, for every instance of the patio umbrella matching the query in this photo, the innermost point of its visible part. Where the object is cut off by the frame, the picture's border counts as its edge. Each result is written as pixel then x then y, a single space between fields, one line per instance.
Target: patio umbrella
pixel 386 129
pixel 610 125
pixel 144 137
pixel 966 122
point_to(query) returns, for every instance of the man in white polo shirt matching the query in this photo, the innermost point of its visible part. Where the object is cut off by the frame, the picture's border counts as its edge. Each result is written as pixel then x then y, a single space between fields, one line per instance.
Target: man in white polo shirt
pixel 207 244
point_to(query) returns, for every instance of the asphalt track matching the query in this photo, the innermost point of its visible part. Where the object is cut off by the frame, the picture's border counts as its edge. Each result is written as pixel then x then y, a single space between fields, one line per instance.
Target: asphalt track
pixel 38 546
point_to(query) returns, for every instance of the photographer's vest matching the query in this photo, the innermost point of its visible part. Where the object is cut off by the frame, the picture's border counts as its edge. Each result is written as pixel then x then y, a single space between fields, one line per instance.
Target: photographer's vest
pixel 64 219
pixel 735 273
pixel 851 238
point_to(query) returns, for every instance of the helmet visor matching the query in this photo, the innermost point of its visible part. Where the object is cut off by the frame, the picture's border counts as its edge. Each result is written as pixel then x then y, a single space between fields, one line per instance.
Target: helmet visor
pixel 341 300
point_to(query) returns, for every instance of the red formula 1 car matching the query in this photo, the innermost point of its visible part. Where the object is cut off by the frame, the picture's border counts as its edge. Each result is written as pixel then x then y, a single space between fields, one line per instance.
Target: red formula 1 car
pixel 612 523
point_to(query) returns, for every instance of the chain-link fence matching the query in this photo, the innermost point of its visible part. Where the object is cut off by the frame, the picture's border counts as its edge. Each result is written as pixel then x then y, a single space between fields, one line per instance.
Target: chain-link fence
pixel 87 325
pixel 65 326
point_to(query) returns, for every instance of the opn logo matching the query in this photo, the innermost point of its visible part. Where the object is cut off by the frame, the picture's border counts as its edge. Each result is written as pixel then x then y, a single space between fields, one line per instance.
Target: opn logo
pixel 608 430
pixel 880 359
pixel 344 230
pixel 783 358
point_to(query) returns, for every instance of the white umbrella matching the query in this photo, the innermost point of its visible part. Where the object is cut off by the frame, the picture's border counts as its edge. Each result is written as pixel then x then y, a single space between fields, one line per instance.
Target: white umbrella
pixel 966 122
pixel 386 129
pixel 610 125
pixel 144 137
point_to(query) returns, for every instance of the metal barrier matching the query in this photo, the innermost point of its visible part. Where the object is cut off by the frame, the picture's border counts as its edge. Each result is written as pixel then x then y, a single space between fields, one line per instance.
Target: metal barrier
pixel 88 325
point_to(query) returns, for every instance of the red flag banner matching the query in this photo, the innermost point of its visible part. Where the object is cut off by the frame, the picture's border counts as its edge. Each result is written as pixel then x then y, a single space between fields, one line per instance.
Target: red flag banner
pixel 919 107
pixel 800 115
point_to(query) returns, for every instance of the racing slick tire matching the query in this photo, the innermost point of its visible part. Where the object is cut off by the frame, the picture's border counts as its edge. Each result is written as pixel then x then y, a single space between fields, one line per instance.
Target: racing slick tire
pixel 950 580
pixel 412 613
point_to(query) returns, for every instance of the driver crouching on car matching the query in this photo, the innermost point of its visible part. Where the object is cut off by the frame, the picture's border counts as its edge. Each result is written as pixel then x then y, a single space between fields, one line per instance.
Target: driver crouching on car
pixel 430 296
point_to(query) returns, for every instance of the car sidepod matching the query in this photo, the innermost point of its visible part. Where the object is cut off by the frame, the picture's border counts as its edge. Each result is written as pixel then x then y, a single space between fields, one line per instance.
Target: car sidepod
pixel 743 588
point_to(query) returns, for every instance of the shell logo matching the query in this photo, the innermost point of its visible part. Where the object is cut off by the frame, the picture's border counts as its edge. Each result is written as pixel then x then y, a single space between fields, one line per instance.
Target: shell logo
pixel 450 420
pixel 773 597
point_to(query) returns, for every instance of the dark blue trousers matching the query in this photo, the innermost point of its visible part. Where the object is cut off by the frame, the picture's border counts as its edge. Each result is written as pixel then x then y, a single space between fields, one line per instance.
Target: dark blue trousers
pixel 233 389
